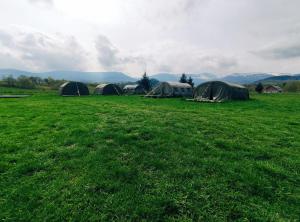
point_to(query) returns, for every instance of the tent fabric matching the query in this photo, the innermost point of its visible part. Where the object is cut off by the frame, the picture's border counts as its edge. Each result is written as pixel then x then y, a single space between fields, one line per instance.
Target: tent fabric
pixel 73 89
pixel 133 89
pixel 217 91
pixel 171 89
pixel 108 89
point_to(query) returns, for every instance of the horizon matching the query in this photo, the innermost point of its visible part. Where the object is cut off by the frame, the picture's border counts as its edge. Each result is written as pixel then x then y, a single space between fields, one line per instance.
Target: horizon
pixel 153 74
pixel 133 37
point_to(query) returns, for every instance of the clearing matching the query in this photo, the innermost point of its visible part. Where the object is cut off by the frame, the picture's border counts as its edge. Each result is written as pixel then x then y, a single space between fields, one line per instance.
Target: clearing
pixel 133 158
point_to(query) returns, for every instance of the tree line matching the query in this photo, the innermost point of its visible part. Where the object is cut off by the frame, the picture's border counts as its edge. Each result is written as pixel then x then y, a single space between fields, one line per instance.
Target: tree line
pixel 145 81
pixel 33 82
pixel 30 82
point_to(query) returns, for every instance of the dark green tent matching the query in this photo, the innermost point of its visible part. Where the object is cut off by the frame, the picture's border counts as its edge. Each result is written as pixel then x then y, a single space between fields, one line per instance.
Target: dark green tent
pixel 171 89
pixel 108 89
pixel 217 91
pixel 134 89
pixel 73 89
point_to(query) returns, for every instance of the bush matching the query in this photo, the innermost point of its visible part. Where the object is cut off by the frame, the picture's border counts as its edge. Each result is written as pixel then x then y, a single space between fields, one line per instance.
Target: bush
pixel 25 83
pixel 293 86
pixel 31 82
pixel 9 81
pixel 259 88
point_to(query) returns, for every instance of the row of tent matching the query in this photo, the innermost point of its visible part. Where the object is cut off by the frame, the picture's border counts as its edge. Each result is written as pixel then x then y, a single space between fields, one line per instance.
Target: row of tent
pixel 80 89
pixel 215 91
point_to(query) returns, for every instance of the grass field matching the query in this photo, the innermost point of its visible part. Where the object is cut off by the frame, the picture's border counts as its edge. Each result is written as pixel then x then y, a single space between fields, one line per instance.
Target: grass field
pixel 133 159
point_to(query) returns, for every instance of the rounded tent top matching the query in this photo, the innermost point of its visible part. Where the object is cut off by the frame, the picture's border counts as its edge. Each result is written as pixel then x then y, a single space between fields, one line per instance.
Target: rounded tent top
pixel 134 89
pixel 179 84
pixel 218 91
pixel 73 89
pixel 171 89
pixel 108 89
pixel 130 87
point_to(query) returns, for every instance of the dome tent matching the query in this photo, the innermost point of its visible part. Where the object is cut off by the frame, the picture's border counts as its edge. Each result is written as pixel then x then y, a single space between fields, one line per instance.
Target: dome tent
pixel 134 89
pixel 171 89
pixel 108 89
pixel 217 91
pixel 73 89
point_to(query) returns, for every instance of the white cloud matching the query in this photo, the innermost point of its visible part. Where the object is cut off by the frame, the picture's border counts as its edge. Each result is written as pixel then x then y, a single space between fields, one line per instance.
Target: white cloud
pixel 280 51
pixel 172 35
pixel 40 52
pixel 42 2
pixel 110 58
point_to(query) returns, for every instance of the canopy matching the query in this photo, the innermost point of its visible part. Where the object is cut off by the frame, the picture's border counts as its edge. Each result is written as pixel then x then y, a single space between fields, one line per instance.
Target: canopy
pixel 108 89
pixel 217 91
pixel 171 89
pixel 73 89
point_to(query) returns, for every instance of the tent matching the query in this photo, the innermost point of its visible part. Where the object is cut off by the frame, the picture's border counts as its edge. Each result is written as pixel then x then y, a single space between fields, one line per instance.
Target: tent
pixel 73 89
pixel 108 89
pixel 217 91
pixel 171 89
pixel 134 89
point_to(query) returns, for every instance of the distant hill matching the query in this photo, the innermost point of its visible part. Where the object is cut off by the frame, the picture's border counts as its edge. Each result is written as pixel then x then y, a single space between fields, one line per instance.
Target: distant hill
pixel 119 77
pixel 240 78
pixel 245 78
pixel 116 77
pixel 279 79
pixel 198 78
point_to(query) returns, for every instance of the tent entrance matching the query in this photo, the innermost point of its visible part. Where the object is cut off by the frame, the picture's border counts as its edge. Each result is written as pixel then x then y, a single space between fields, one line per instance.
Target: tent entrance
pixel 211 93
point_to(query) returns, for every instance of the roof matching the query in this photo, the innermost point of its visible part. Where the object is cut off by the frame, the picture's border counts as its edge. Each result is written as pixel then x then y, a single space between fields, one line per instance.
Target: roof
pixel 227 83
pixel 179 84
pixel 102 85
pixel 70 82
pixel 130 86
pixel 276 87
pixel 64 84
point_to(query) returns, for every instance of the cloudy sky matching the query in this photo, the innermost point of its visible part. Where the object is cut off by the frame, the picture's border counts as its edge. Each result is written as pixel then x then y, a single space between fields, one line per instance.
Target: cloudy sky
pixel 133 36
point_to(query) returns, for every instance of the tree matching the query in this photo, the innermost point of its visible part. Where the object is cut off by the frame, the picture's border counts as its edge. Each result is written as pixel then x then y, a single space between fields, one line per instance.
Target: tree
pixel 9 81
pixel 25 82
pixel 190 81
pixel 292 86
pixel 36 80
pixel 259 88
pixel 145 82
pixel 183 78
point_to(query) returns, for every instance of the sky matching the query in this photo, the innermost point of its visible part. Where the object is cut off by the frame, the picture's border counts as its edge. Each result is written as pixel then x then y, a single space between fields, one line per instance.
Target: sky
pixel 156 36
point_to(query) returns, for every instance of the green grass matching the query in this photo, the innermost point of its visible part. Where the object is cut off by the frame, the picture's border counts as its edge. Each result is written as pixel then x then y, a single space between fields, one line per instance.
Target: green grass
pixel 132 159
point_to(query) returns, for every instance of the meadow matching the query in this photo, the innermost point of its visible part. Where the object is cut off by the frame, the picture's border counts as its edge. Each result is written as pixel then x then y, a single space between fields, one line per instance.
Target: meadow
pixel 129 158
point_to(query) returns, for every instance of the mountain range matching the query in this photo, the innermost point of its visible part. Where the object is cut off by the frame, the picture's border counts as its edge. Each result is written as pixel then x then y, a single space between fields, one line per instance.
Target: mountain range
pixel 279 79
pixel 118 77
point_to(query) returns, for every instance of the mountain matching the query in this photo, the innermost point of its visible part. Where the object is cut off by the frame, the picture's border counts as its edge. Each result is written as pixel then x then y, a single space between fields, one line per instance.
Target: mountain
pixel 119 77
pixel 15 73
pixel 280 79
pixel 115 77
pixel 245 78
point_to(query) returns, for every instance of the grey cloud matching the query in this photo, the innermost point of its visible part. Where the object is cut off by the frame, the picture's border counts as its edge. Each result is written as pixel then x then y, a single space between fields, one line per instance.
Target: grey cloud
pixel 280 52
pixel 5 38
pixel 107 53
pixel 190 5
pixel 49 2
pixel 216 63
pixel 109 57
pixel 37 51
